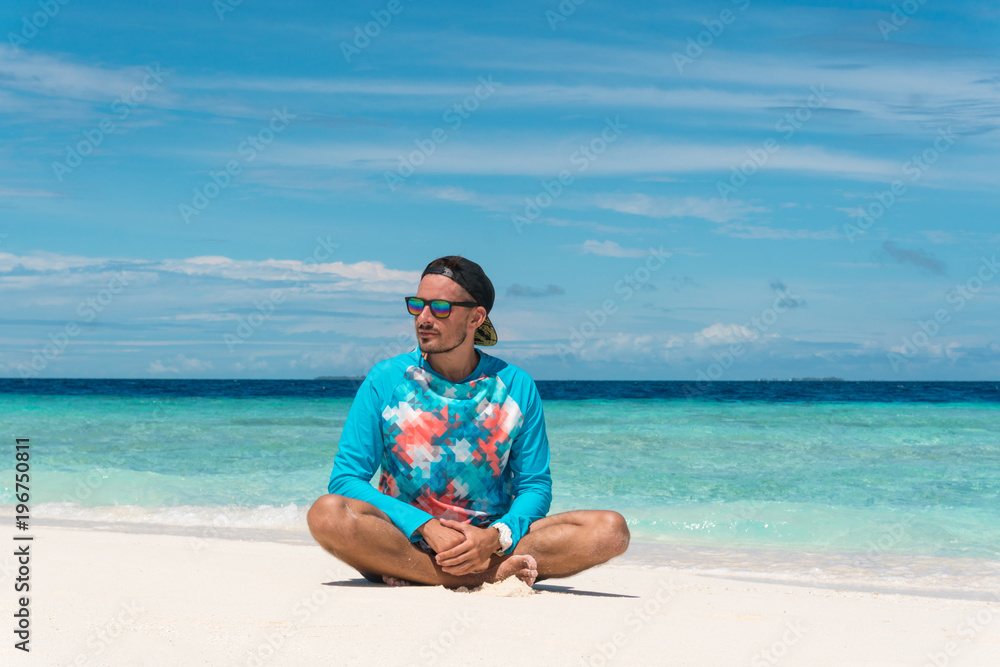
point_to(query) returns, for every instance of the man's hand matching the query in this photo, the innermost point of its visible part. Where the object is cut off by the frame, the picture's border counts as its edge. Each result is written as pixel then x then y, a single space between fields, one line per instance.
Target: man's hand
pixel 472 555
pixel 439 537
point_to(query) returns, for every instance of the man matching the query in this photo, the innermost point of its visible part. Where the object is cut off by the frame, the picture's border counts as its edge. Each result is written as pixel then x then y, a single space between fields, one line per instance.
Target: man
pixel 460 436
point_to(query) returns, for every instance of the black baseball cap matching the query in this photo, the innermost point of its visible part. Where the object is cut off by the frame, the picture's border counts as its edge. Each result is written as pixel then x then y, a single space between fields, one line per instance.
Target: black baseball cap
pixel 471 277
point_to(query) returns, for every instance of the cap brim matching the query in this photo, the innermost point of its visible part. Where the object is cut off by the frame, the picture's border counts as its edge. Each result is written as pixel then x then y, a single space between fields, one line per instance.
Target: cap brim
pixel 486 334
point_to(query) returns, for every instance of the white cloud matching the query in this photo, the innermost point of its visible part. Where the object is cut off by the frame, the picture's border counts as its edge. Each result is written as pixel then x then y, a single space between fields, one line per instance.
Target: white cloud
pixel 179 363
pixel 47 261
pixel 27 192
pixel 452 193
pixel 740 231
pixel 363 276
pixel 547 156
pixel 715 210
pixel 621 347
pixel 610 249
pixel 724 334
pixel 54 77
pixel 252 365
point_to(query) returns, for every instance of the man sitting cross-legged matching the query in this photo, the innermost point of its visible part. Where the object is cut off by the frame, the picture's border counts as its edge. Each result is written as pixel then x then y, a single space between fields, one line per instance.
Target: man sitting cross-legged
pixel 460 437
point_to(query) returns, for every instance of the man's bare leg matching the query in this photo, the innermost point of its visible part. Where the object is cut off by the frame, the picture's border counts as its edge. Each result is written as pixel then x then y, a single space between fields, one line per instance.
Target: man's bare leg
pixel 363 536
pixel 562 545
pixel 571 542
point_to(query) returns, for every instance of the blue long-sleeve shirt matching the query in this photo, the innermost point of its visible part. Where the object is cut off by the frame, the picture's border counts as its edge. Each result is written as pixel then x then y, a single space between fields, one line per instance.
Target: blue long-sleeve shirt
pixel 473 451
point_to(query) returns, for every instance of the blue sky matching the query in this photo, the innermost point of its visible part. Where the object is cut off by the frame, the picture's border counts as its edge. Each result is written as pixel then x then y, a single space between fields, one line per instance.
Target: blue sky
pixel 725 190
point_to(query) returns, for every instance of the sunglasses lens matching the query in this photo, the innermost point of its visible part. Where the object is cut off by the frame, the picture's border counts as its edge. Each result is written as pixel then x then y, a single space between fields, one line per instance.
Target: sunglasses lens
pixel 415 306
pixel 440 308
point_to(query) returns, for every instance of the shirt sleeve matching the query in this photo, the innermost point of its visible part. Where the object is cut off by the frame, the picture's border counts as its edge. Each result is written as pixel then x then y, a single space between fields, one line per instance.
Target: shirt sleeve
pixel 529 465
pixel 358 458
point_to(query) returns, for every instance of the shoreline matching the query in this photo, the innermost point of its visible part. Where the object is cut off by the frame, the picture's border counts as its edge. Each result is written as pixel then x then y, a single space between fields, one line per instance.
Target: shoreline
pixel 104 596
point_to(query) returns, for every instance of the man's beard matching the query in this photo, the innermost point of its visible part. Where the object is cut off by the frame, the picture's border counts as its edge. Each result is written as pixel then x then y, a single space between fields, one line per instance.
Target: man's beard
pixel 440 346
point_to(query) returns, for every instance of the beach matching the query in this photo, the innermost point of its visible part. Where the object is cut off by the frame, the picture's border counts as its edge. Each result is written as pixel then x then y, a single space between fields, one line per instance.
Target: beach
pixel 105 596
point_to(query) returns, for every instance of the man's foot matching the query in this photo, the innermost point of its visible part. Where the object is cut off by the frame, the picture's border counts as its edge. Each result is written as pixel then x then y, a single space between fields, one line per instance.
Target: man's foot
pixel 523 567
pixel 394 581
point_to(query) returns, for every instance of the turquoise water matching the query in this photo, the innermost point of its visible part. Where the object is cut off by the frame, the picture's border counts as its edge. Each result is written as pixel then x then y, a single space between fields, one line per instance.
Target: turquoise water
pixel 875 478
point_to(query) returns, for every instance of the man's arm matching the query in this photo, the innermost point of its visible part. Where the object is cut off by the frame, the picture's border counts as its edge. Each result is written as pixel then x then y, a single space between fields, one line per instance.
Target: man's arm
pixel 529 464
pixel 358 457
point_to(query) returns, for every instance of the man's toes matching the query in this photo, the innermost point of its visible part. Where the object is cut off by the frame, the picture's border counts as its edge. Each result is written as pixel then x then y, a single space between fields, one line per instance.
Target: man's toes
pixel 524 568
pixel 394 581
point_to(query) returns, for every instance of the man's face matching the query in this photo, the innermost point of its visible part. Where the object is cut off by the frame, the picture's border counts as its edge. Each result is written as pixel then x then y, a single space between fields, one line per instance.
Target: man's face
pixel 435 335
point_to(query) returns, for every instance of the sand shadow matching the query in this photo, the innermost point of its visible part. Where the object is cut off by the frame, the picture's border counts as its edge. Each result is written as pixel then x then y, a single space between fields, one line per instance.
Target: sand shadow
pixel 569 590
pixel 360 582
pixel 544 588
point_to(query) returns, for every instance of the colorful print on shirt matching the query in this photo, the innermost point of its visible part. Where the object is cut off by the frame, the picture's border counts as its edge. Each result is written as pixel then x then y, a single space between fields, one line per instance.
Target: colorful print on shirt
pixel 447 445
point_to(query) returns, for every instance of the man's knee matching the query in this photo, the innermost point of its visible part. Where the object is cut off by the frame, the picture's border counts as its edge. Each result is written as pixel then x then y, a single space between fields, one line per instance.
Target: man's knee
pixel 330 517
pixel 614 531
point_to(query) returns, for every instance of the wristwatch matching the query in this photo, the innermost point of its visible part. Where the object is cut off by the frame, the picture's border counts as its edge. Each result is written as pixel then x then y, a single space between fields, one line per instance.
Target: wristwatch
pixel 505 538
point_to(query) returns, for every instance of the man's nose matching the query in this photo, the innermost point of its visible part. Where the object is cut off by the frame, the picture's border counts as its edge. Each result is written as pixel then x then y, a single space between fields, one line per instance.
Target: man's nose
pixel 425 314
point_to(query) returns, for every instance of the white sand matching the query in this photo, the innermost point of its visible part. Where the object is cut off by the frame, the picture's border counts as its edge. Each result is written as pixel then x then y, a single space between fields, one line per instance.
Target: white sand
pixel 114 598
pixel 511 587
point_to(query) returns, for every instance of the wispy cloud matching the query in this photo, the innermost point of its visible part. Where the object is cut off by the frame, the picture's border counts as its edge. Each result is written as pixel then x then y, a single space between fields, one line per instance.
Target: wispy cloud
pixel 179 363
pixel 362 276
pixel 727 334
pixel 547 156
pixel 27 192
pixel 715 210
pixel 743 231
pixel 610 249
